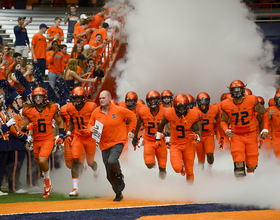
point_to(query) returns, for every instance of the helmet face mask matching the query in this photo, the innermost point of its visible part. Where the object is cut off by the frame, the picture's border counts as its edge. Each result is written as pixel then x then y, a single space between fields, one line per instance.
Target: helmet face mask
pixel 78 100
pixel 181 109
pixel 78 96
pixel 277 100
pixel 39 96
pixel 237 92
pixel 153 102
pixel 166 97
pixel 203 104
pixel 153 99
pixel 131 100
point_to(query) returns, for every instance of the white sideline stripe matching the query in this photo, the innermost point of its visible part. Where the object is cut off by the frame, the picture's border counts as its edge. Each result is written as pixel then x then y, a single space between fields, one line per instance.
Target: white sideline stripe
pixel 107 208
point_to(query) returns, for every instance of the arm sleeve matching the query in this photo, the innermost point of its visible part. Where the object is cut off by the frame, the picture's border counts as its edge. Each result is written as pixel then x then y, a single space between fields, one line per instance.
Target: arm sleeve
pixel 17 29
pixel 131 117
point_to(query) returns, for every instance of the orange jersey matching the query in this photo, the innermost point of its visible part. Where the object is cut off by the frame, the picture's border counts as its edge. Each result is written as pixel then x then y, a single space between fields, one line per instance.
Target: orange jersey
pixel 79 30
pixel 18 119
pixel 81 117
pixel 114 125
pixel 66 59
pixel 52 31
pixel 3 72
pixel 42 129
pixel 242 116
pixel 181 127
pixel 275 119
pixel 150 121
pixel 9 59
pixel 101 31
pixel 56 63
pixel 96 23
pixel 208 119
pixel 66 116
pixel 100 18
pixel 92 43
pixel 40 44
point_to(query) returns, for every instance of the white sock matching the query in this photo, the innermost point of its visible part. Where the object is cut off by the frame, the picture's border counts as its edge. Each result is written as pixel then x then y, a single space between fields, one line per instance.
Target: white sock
pixel 46 174
pixel 250 174
pixel 209 166
pixel 75 183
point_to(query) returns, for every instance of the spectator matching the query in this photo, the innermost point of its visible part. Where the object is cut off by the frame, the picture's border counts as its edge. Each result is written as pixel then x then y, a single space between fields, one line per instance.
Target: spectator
pixel 97 70
pixel 88 52
pixel 82 62
pixel 93 23
pixel 70 75
pixel 56 63
pixel 3 66
pixel 22 41
pixel 66 56
pixel 113 23
pixel 102 31
pixel 7 52
pixel 29 70
pixel 100 16
pixel 97 45
pixel 82 32
pixel 1 42
pixel 82 18
pixel 77 49
pixel 16 59
pixel 107 6
pixel 39 47
pixel 11 78
pixel 55 31
pixel 72 18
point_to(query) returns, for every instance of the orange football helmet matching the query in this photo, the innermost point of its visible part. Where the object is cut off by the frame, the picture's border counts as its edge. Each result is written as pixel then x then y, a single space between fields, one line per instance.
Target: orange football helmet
pixel 166 94
pixel 131 100
pixel 78 96
pixel 237 89
pixel 277 99
pixel 260 100
pixel 228 95
pixel 153 99
pixel 278 90
pixel 39 96
pixel 181 104
pixel 248 92
pixel 271 102
pixel 203 101
pixel 114 102
pixel 140 101
pixel 192 101
pixel 223 96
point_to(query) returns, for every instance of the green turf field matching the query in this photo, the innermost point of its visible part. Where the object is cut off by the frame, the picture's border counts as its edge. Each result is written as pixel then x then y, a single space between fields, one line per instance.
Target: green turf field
pixel 24 197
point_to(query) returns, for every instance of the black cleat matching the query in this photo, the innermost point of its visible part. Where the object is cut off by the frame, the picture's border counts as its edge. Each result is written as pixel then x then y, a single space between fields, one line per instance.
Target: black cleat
pixel 118 197
pixel 121 184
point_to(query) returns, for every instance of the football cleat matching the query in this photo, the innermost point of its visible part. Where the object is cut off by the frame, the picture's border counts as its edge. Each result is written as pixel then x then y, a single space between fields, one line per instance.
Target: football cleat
pixel 96 173
pixel 74 192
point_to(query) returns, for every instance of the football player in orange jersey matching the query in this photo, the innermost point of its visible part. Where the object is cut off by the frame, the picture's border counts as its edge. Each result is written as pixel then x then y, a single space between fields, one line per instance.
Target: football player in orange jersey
pixel 38 117
pixel 166 98
pixel 151 116
pixel 241 112
pixel 210 115
pixel 275 122
pixel 267 142
pixel 192 101
pixel 130 103
pixel 140 101
pixel 80 111
pixel 185 132
pixel 220 134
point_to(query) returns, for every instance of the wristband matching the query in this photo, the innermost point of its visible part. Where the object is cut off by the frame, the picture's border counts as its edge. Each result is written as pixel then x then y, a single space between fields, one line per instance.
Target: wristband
pixel 68 133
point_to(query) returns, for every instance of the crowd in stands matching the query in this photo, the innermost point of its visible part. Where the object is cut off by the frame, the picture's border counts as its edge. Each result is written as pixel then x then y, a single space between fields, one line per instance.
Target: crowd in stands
pixel 89 34
pixel 51 69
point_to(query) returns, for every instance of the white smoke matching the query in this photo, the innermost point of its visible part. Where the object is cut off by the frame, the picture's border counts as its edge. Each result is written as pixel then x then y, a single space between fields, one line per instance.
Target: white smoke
pixel 190 46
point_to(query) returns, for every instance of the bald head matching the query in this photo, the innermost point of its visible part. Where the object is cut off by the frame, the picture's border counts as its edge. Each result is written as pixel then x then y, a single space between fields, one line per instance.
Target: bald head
pixel 105 99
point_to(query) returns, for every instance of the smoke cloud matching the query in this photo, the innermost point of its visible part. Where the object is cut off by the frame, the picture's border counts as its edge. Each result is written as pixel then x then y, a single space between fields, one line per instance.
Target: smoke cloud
pixel 190 46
